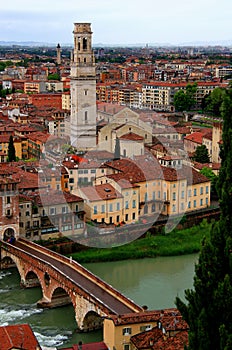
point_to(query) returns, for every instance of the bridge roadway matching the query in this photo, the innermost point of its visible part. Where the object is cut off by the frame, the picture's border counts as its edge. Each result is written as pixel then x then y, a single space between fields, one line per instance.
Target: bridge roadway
pixel 115 305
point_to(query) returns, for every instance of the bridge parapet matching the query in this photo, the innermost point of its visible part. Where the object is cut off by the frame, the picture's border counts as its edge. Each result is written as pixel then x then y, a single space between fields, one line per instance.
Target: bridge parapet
pixel 81 269
pixel 64 281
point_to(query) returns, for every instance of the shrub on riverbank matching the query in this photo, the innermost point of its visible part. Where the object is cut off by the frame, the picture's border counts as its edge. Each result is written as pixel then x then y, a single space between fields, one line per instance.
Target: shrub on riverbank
pixel 177 242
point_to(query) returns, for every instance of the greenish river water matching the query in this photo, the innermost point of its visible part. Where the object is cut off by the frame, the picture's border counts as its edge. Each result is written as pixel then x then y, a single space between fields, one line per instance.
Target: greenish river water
pixel 152 282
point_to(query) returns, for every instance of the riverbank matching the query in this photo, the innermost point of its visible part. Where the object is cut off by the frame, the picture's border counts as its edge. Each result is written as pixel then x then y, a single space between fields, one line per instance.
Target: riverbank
pixel 177 242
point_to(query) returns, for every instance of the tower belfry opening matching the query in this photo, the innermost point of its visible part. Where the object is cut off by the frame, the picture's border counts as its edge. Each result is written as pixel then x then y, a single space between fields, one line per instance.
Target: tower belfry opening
pixel 83 89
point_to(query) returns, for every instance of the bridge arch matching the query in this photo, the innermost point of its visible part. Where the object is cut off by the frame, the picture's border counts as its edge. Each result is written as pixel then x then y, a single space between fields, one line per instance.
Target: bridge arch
pixel 7 262
pixel 32 280
pixel 11 257
pixel 92 320
pixel 60 297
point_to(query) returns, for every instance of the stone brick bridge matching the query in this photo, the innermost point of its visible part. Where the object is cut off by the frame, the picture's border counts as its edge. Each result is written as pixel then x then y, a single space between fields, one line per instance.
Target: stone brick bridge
pixel 64 281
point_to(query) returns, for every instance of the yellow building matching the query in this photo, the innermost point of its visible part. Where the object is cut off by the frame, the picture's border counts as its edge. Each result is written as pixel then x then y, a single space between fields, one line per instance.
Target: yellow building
pixel 103 204
pixel 119 331
pixel 4 143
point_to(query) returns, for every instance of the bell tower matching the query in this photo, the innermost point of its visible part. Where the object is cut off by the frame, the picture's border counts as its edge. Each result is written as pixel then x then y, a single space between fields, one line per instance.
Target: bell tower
pixel 83 89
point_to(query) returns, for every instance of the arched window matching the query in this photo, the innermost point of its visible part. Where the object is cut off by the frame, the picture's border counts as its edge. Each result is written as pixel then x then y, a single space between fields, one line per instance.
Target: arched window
pixel 86 117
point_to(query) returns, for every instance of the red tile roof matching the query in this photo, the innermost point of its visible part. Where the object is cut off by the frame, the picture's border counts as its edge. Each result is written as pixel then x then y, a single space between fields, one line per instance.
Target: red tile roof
pixel 132 137
pixel 100 192
pixel 195 137
pixel 18 337
pixel 90 346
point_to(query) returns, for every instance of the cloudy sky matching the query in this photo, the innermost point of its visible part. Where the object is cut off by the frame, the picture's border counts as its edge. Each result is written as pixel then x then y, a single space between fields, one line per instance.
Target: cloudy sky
pixel 117 21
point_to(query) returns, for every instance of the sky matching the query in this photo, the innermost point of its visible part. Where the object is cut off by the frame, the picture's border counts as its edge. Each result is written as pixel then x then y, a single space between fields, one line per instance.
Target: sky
pixel 117 21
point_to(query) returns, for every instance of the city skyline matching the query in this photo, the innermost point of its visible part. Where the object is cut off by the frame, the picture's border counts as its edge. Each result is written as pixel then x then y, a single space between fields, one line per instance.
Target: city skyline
pixel 144 22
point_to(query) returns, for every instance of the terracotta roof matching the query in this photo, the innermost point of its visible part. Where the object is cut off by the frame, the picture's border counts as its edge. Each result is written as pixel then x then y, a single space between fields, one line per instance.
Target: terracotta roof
pixel 143 340
pixel 195 137
pixel 53 197
pixel 143 316
pixel 176 342
pixel 90 346
pixel 132 137
pixel 18 337
pixel 100 192
pixel 212 166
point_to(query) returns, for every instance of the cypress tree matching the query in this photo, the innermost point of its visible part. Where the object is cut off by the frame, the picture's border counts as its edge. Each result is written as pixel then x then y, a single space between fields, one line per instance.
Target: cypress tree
pixel 208 307
pixel 11 150
pixel 117 149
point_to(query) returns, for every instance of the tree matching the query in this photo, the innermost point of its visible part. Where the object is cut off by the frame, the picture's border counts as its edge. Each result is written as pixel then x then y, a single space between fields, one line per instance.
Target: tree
pixel 209 305
pixel 213 102
pixel 184 100
pixel 201 154
pixel 54 76
pixel 11 150
pixel 212 177
pixel 117 149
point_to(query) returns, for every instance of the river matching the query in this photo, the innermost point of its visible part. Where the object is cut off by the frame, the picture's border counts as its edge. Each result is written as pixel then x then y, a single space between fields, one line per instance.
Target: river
pixel 152 282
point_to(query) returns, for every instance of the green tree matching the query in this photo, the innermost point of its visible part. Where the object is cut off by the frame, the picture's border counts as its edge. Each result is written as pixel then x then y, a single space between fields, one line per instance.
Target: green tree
pixel 201 154
pixel 208 310
pixel 117 149
pixel 185 100
pixel 11 157
pixel 213 101
pixel 54 76
pixel 211 176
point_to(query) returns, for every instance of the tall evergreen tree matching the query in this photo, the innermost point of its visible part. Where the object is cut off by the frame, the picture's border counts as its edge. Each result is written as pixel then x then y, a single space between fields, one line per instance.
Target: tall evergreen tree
pixel 208 310
pixel 117 149
pixel 11 150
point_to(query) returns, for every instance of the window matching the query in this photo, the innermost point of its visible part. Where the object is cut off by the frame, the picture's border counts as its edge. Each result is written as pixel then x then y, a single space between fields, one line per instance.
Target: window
pixel 201 190
pixel 174 196
pixel 126 331
pixel 182 206
pixel 194 203
pixel 118 206
pixel 52 211
pixel 95 209
pixel 153 208
pixel 174 208
pixel 126 347
pixel 8 200
pixel 64 210
pixel 189 193
pixel 201 201
pixel 182 194
pixel 134 204
pixel 27 213
pixel 189 205
pixel 93 171
pixel 206 201
pixel 127 205
pixel 153 195
pixel 86 117
pixel 207 189
pixel 133 216
pixel 195 192
pixel 86 92
pixel 103 208
pixel 111 207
